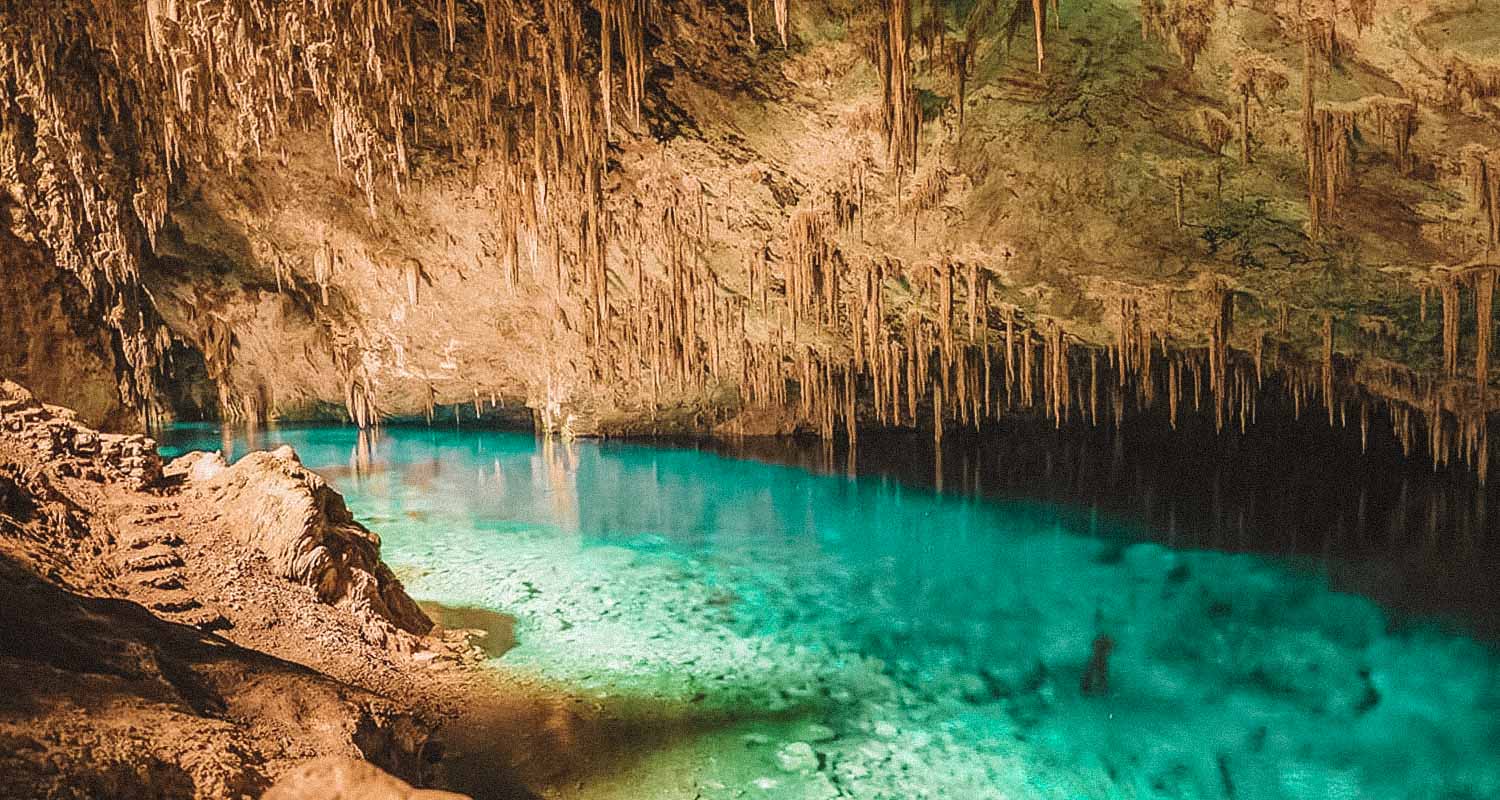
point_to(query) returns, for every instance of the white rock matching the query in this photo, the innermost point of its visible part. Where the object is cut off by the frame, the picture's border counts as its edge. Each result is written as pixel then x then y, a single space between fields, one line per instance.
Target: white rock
pixel 814 732
pixel 797 757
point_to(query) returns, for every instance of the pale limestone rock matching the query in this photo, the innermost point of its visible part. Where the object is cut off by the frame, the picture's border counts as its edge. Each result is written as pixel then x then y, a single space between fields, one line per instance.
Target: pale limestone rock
pixel 292 516
pixel 332 778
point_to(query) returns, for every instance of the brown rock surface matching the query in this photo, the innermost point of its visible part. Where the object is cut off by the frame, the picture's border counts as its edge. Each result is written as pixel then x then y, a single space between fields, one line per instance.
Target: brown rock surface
pixel 291 515
pixel 347 779
pixel 149 646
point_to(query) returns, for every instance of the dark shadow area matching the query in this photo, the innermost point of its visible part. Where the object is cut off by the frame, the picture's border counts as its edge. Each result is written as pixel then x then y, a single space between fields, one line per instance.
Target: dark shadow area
pixel 176 706
pixel 1419 540
pixel 551 737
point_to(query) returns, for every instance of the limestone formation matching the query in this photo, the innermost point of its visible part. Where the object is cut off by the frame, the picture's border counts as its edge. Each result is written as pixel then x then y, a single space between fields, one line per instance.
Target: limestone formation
pixel 301 524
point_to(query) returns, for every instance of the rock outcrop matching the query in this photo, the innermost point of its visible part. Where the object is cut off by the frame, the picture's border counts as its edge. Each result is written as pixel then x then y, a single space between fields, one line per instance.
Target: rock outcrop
pixel 50 339
pixel 148 622
pixel 56 434
pixel 291 515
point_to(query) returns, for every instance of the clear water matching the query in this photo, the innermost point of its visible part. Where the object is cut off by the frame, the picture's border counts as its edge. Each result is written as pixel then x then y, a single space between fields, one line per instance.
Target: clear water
pixel 869 639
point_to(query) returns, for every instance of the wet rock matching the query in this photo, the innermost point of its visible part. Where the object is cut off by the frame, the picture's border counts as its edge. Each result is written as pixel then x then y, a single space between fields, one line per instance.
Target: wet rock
pixel 797 757
pixel 815 732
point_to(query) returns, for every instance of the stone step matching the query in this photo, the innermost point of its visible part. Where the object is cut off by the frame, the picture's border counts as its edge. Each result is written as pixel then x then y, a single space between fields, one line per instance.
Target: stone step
pixel 202 618
pixel 148 558
pixel 159 579
pixel 138 538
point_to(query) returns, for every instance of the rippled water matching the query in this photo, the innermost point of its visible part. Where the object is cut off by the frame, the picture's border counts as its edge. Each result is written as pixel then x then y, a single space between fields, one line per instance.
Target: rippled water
pixel 872 639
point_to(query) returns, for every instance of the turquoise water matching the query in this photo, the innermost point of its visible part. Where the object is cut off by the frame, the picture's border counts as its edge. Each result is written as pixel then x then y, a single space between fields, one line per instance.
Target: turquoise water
pixel 874 640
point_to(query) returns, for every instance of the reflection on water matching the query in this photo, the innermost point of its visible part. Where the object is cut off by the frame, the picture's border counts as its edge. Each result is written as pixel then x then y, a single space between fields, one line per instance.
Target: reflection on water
pixel 1017 635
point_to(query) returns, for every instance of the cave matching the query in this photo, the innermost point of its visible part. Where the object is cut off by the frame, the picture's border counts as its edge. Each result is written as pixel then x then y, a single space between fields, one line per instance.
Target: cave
pixel 788 399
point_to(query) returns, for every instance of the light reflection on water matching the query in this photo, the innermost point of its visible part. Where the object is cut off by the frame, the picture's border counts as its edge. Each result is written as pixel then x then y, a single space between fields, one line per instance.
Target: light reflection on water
pixel 951 626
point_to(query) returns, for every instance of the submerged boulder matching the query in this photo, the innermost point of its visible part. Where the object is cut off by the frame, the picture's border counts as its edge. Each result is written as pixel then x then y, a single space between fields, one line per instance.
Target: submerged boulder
pixel 291 515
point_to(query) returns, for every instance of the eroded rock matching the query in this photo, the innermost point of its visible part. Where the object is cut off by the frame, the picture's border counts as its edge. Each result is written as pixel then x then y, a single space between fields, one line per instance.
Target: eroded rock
pixel 271 502
pixel 56 434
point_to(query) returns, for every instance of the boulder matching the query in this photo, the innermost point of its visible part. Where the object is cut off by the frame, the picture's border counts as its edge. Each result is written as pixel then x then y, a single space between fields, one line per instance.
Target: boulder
pixel 271 502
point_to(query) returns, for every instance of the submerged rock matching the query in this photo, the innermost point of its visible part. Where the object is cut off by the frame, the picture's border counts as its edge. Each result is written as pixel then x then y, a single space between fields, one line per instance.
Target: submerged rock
pixel 797 757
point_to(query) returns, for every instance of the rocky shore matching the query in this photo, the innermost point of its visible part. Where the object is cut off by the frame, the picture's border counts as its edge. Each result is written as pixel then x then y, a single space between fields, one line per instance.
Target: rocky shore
pixel 199 630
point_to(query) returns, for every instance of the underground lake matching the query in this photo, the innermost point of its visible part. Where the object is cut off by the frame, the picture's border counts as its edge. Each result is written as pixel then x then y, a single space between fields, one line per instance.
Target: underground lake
pixel 860 633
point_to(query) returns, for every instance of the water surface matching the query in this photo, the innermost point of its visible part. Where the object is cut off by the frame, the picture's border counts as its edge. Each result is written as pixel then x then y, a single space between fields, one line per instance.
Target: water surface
pixel 870 638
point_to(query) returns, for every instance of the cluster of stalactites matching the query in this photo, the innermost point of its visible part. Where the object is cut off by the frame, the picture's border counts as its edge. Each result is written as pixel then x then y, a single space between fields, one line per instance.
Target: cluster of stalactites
pixel 1481 279
pixel 1186 24
pixel 1329 154
pixel 1469 78
pixel 954 357
pixel 107 104
pixel 901 116
pixel 1329 133
pixel 1482 168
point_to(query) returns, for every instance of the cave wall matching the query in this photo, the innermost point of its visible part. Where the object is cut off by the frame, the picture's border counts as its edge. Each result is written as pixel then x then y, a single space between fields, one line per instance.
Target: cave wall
pixel 52 341
pixel 658 219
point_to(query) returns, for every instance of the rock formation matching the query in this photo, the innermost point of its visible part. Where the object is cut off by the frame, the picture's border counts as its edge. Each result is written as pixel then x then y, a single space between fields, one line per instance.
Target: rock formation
pixel 291 515
pixel 143 622
pixel 347 779
pixel 635 220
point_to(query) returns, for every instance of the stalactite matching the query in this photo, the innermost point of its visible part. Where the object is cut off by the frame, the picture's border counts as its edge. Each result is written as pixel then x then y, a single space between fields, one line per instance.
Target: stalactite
pixel 1482 167
pixel 1470 78
pixel 1328 392
pixel 781 19
pixel 1214 127
pixel 1394 119
pixel 363 73
pixel 1039 26
pixel 1177 200
pixel 1222 301
pixel 937 415
pixel 1330 160
pixel 1174 390
pixel 1450 295
pixel 901 115
pixel 1254 77
pixel 1028 371
pixel 1484 296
